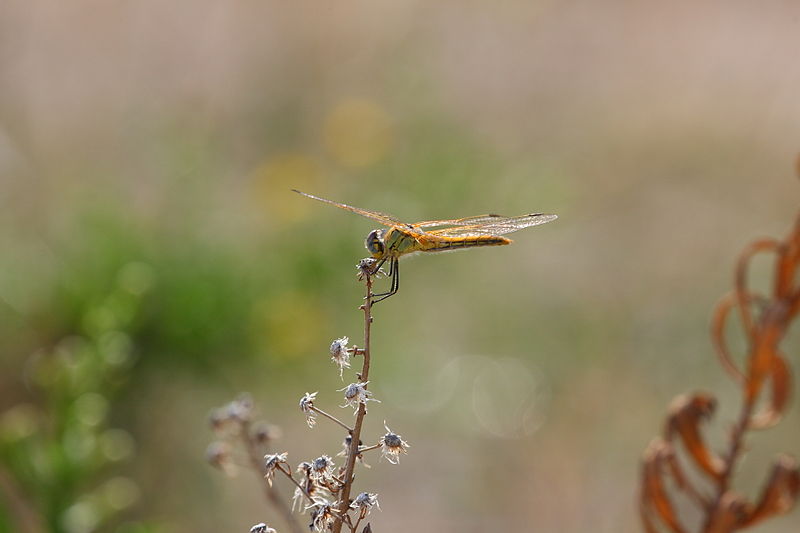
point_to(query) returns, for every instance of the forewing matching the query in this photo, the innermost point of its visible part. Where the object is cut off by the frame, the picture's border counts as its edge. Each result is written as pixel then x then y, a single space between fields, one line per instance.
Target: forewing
pixel 383 218
pixel 493 225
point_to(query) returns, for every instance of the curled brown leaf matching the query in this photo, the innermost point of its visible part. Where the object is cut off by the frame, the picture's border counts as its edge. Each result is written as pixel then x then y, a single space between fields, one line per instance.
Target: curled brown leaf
pixel 780 492
pixel 728 515
pixel 685 415
pixel 781 379
pixel 654 496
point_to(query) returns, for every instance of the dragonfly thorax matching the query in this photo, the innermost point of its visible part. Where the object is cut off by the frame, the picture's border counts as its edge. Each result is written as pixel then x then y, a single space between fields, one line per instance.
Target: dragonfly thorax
pixel 375 244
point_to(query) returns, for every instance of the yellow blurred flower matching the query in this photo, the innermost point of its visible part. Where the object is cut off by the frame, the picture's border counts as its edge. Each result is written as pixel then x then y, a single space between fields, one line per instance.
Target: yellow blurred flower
pixel 291 325
pixel 357 133
pixel 274 179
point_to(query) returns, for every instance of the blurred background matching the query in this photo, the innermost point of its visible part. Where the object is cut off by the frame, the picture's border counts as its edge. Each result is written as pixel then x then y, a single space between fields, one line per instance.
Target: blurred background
pixel 154 263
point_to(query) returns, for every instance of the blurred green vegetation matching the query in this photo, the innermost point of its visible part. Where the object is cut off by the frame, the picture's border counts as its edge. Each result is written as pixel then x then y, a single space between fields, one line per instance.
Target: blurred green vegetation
pixel 56 447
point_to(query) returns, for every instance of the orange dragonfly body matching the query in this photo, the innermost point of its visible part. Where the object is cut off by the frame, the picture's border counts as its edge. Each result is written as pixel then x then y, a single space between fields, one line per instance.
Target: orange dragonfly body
pixel 403 238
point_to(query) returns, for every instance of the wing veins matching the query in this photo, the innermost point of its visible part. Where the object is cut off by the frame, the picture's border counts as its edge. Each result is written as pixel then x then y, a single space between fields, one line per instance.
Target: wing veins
pixel 383 218
pixel 498 225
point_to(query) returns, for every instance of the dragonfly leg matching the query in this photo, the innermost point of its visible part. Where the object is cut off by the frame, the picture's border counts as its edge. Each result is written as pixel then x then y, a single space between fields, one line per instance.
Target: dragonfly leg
pixel 378 266
pixel 394 272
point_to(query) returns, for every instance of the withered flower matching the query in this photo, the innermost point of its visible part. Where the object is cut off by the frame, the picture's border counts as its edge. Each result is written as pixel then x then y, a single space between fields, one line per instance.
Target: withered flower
pixel 364 503
pixel 322 514
pixel 340 354
pixel 271 463
pixel 392 445
pixel 306 405
pixel 357 393
pixel 322 469
pixel 261 528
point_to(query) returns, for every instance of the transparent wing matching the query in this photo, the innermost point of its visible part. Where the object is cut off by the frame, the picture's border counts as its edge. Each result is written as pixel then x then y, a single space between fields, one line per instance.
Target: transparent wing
pixel 383 218
pixel 494 225
pixel 469 221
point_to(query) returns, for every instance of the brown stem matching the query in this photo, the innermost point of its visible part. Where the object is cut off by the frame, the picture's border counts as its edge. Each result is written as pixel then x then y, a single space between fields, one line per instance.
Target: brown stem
pixel 332 418
pixel 293 480
pixel 352 452
pixel 271 493
pixel 355 527
pixel 735 448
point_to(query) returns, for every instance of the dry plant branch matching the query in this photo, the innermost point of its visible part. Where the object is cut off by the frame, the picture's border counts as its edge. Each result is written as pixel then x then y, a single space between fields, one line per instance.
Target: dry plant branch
pixel 765 319
pixel 324 488
pixel 355 435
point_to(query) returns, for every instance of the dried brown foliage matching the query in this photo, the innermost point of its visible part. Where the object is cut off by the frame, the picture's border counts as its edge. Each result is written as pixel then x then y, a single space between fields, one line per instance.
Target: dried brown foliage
pixel 765 382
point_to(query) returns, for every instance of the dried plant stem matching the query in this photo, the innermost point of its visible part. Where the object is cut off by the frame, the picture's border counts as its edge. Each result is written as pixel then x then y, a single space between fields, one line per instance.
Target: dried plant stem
pixel 737 439
pixel 271 493
pixel 296 484
pixel 368 448
pixel 352 453
pixel 332 418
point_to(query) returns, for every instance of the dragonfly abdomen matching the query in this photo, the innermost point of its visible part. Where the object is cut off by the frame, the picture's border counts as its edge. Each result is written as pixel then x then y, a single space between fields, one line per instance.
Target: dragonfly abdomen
pixel 456 243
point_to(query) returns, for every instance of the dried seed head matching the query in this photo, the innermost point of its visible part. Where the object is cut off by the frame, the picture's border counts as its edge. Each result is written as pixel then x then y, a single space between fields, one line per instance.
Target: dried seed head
pixel 340 354
pixel 306 405
pixel 241 409
pixel 218 455
pixel 261 528
pixel 218 420
pixel 392 445
pixel 322 514
pixel 271 463
pixel 364 503
pixel 366 267
pixel 263 433
pixel 322 468
pixel 304 468
pixel 346 449
pixel 357 393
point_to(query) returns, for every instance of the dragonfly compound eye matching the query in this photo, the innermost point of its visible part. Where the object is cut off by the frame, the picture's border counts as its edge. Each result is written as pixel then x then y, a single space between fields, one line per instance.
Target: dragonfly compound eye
pixel 375 243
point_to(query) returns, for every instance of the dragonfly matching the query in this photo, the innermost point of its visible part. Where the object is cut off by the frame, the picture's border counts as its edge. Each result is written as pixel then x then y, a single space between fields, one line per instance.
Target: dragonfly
pixel 403 238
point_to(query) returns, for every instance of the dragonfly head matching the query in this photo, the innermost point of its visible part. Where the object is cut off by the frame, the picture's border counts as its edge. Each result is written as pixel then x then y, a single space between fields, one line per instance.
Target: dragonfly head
pixel 375 243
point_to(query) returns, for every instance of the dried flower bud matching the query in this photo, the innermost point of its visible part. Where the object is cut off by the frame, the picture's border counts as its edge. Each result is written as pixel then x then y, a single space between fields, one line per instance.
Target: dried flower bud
pixel 346 449
pixel 218 420
pixel 241 409
pixel 218 455
pixel 392 445
pixel 357 393
pixel 306 405
pixel 322 468
pixel 322 514
pixel 271 463
pixel 366 267
pixel 340 354
pixel 261 528
pixel 304 468
pixel 364 503
pixel 263 433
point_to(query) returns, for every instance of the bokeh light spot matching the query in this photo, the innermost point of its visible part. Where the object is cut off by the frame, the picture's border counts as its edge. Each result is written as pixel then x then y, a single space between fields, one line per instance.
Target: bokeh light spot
pixel 136 278
pixel 120 493
pixel 19 422
pixel 508 398
pixel 91 408
pixel 82 517
pixel 116 444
